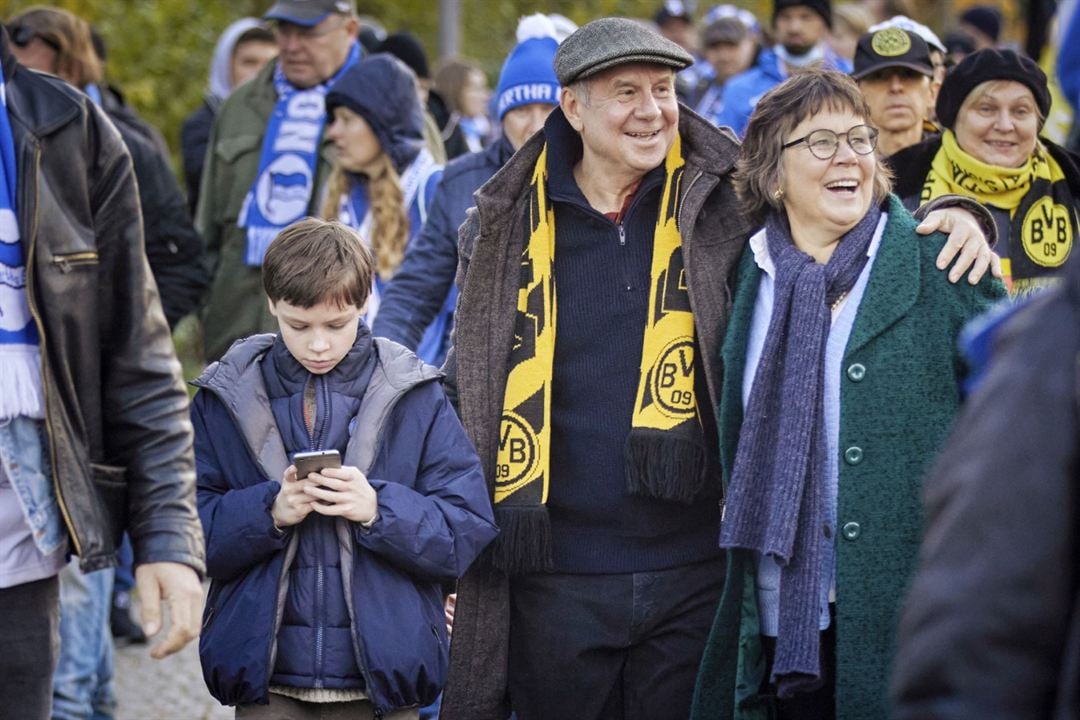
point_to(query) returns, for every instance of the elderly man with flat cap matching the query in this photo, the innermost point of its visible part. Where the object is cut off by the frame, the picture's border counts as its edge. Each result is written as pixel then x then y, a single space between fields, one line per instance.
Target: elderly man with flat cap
pixel 595 290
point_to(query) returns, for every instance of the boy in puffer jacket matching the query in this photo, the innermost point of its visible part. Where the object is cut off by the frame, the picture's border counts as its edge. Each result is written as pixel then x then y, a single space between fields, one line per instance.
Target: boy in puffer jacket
pixel 327 588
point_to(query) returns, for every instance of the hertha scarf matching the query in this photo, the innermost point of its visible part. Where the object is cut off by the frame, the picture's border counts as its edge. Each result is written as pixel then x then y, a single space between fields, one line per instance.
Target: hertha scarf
pixel 665 451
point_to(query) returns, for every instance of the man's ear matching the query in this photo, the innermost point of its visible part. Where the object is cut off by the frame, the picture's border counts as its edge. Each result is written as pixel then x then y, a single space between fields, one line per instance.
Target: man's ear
pixel 571 107
pixel 272 305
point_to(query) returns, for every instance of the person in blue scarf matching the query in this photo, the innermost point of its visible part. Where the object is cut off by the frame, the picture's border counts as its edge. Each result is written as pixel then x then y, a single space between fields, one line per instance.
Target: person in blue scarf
pixel 841 373
pixel 384 179
pixel 268 159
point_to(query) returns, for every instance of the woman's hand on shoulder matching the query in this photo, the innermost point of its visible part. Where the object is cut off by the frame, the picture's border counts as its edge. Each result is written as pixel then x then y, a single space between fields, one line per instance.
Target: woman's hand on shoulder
pixel 966 244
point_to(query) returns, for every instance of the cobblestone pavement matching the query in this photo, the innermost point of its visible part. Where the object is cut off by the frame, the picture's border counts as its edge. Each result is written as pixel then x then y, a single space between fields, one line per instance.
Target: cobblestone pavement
pixel 168 689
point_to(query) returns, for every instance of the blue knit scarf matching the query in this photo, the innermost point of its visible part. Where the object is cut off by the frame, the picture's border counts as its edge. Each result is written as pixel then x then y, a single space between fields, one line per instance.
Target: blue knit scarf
pixel 283 186
pixel 774 500
pixel 20 360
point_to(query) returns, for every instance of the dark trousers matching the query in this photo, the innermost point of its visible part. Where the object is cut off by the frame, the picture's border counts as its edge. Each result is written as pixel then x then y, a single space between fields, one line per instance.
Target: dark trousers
pixel 30 628
pixel 609 647
pixel 817 704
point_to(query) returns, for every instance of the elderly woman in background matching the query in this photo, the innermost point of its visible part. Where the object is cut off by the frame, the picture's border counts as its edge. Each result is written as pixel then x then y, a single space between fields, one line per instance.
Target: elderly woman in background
pixel 993 106
pixel 840 382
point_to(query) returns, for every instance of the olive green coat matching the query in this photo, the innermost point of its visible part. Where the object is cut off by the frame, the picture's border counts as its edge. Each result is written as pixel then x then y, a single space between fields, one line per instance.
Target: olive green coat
pixel 236 306
pixel 898 396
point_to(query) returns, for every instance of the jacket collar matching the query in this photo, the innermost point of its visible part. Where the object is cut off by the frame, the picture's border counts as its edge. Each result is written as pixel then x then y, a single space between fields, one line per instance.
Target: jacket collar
pixel 7 58
pixel 285 375
pixel 38 104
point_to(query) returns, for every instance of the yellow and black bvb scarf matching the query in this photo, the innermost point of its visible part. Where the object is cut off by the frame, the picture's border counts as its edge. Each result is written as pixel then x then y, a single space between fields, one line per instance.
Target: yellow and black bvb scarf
pixel 666 455
pixel 1036 195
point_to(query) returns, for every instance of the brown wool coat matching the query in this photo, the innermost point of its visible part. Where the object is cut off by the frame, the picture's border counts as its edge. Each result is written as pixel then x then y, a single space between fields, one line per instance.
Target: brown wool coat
pixel 714 234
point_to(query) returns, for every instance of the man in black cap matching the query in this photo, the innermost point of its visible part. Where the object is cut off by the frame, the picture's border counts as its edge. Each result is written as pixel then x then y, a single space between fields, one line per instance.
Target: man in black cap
pixel 591 399
pixel 800 28
pixel 895 74
pixel 268 159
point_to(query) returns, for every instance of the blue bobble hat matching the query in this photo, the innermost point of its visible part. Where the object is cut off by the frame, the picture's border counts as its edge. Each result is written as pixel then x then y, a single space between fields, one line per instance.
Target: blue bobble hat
pixel 528 75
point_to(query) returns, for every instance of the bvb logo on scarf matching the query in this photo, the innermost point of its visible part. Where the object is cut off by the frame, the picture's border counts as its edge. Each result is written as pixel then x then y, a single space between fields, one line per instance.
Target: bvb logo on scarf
pixel 665 395
pixel 1036 196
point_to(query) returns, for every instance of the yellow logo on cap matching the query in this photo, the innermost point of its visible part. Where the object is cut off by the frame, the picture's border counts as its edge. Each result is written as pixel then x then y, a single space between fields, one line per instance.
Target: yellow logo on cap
pixel 890 42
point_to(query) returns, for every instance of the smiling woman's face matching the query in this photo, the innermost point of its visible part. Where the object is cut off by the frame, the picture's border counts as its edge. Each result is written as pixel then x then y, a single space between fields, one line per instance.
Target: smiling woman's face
pixel 831 195
pixel 998 123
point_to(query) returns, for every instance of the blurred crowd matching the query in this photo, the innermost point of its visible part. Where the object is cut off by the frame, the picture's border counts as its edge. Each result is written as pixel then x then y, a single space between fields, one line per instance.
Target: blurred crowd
pixel 811 396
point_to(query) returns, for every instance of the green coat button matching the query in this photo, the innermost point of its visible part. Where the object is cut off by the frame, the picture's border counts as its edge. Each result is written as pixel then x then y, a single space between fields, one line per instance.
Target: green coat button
pixel 851 531
pixel 856 372
pixel 853 455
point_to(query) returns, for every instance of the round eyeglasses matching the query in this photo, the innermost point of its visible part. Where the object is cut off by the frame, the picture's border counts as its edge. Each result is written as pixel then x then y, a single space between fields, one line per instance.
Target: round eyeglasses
pixel 823 144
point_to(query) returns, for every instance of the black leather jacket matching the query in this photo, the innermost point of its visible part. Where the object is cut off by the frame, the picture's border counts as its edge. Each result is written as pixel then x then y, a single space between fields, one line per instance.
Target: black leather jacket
pixel 120 440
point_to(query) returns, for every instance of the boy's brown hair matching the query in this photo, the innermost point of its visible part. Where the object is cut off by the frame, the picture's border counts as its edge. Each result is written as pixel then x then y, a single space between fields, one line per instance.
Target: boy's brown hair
pixel 314 261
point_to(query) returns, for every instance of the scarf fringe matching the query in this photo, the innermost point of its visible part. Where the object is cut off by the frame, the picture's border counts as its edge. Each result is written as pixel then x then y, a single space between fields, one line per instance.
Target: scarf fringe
pixel 665 466
pixel 524 541
pixel 20 383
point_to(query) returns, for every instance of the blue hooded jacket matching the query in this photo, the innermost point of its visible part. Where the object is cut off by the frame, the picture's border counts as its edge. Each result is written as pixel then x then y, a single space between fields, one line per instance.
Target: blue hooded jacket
pixel 327 603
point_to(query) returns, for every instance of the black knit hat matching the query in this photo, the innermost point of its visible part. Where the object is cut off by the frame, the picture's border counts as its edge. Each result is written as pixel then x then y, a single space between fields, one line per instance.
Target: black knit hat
pixel 985 65
pixel 984 18
pixel 382 90
pixel 407 48
pixel 821 7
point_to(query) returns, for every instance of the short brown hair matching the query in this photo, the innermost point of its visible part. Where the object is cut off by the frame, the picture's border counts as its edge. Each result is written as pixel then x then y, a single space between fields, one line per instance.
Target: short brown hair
pixel 315 261
pixel 69 35
pixel 758 174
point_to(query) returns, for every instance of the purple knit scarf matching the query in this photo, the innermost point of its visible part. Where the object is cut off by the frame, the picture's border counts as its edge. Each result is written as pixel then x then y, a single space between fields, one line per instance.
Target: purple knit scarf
pixel 775 497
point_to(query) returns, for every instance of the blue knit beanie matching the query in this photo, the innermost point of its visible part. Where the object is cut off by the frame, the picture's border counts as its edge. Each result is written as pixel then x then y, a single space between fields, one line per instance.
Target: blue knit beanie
pixel 528 75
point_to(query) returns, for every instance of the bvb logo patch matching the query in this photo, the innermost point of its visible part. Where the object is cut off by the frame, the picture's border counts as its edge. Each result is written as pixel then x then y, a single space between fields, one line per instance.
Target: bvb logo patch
pixel 518 454
pixel 891 42
pixel 673 380
pixel 1047 233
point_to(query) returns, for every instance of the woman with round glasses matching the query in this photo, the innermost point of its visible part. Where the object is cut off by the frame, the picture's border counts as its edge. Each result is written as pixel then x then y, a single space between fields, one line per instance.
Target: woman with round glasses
pixel 993 106
pixel 841 378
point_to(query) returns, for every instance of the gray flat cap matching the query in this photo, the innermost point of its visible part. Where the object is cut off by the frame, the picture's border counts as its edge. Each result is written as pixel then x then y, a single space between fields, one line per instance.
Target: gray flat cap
pixel 612 41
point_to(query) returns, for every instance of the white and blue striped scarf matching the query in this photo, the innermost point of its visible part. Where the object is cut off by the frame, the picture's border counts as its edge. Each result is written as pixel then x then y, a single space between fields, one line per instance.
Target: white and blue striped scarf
pixel 20 359
pixel 283 186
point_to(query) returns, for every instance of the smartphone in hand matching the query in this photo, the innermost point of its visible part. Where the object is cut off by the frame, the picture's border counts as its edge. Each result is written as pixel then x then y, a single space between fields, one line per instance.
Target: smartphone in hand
pixel 316 461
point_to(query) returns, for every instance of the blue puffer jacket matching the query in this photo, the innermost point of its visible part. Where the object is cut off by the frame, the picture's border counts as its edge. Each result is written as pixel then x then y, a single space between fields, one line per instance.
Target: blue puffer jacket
pixel 742 92
pixel 278 611
pixel 425 277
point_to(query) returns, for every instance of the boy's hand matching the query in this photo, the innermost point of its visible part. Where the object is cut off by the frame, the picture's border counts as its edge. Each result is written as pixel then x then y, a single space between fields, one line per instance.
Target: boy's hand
pixel 343 492
pixel 292 504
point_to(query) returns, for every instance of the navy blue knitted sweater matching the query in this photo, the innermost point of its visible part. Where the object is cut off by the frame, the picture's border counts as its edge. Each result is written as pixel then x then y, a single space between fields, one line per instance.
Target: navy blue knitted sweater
pixel 602 285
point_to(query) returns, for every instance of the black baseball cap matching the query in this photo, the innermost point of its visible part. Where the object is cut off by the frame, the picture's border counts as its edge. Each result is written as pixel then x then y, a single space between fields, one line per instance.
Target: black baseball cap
pixel 892 47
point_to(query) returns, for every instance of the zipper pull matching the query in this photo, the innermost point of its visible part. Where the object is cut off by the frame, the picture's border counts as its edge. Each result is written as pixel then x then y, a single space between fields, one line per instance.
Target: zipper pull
pixel 622 235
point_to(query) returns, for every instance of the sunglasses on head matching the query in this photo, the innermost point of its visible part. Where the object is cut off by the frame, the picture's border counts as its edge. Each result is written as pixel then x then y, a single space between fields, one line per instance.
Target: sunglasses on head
pixel 23 35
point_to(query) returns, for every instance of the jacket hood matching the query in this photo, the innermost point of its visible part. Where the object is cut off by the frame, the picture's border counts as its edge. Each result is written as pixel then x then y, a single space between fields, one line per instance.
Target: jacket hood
pixel 382 90
pixel 220 83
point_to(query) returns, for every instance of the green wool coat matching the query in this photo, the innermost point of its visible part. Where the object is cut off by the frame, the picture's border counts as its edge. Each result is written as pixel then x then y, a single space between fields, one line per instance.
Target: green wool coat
pixel 899 394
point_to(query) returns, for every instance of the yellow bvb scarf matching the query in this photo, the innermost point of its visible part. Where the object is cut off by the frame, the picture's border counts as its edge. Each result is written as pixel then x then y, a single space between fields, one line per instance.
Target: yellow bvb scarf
pixel 1036 195
pixel 666 454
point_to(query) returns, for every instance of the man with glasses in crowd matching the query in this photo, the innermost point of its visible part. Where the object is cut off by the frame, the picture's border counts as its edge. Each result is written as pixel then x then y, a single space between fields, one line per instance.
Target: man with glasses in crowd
pixel 268 160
